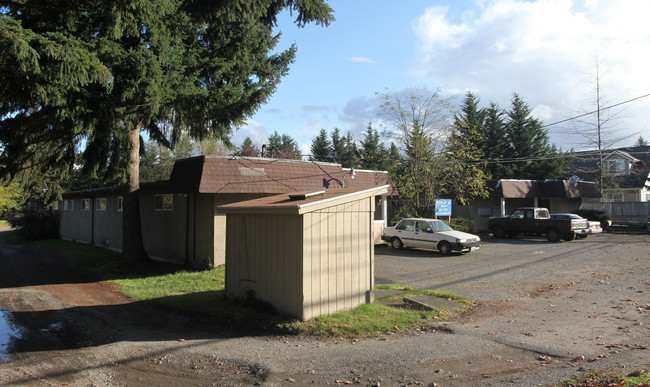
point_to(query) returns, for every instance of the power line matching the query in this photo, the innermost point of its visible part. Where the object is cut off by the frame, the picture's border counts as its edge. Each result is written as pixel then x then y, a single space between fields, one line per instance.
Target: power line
pixel 595 111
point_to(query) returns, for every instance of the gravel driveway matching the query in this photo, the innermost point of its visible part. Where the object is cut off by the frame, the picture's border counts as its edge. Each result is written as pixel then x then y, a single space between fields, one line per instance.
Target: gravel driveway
pixel 544 311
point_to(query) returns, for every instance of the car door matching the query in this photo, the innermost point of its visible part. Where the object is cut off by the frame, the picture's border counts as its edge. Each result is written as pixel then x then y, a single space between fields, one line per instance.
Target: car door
pixel 424 236
pixel 406 232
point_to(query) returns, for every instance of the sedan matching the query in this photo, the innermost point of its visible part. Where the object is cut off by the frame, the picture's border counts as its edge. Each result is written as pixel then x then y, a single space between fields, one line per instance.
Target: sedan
pixel 594 226
pixel 430 234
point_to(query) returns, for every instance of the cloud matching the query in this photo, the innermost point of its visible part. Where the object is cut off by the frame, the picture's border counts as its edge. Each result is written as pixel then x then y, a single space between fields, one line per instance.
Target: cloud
pixel 253 129
pixel 544 50
pixel 361 59
pixel 358 112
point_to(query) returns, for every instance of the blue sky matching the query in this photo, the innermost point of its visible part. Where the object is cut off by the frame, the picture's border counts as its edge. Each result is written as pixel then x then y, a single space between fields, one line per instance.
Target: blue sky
pixel 544 50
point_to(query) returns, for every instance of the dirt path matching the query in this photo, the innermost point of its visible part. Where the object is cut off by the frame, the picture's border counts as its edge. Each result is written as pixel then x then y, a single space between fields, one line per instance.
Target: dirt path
pixel 79 332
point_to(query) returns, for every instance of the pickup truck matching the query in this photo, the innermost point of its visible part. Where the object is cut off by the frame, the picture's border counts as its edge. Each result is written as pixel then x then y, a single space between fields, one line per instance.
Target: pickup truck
pixel 537 221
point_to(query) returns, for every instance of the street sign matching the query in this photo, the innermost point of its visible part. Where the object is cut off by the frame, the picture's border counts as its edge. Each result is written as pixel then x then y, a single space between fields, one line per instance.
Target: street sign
pixel 443 207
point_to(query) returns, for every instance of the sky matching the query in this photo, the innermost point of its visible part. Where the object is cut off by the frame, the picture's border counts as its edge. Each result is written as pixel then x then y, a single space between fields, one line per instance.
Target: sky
pixel 546 51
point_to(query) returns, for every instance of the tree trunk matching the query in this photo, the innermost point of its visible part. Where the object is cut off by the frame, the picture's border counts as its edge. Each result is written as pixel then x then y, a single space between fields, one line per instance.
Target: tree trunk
pixel 132 245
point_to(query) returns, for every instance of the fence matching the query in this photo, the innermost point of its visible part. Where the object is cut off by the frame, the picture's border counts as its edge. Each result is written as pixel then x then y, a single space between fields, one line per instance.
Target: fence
pixel 618 209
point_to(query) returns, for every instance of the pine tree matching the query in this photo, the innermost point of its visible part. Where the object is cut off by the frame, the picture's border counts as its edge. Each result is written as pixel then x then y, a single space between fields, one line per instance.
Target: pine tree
pixel 465 168
pixel 321 147
pixel 494 142
pixel 528 144
pixel 372 152
pixel 282 147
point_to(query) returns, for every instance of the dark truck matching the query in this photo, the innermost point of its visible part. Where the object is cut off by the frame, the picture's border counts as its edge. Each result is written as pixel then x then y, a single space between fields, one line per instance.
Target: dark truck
pixel 537 221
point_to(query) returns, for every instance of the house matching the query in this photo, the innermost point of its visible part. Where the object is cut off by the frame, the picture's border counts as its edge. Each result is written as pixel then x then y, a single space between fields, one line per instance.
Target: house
pixel 506 195
pixel 306 254
pixel 625 172
pixel 179 222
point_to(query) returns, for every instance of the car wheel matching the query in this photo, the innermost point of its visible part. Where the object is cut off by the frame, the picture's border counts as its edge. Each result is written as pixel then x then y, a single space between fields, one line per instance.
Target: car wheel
pixel 569 237
pixel 499 232
pixel 444 248
pixel 396 243
pixel 552 235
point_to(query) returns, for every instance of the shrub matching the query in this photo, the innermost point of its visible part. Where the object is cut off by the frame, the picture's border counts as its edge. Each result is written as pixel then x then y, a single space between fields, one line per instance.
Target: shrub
pixel 594 215
pixel 36 221
pixel 462 224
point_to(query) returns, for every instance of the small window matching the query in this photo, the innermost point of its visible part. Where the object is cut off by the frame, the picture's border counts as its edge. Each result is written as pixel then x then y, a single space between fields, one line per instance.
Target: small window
pixel 120 204
pixel 164 202
pixel 68 205
pixel 100 204
pixel 614 197
pixel 85 204
pixel 407 225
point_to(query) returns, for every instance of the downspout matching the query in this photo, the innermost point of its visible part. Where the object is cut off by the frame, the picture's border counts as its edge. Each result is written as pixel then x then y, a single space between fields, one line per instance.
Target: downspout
pixel 187 230
pixel 194 231
pixel 92 221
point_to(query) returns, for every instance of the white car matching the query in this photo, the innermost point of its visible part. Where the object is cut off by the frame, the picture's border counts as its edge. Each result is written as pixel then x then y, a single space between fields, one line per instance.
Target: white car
pixel 594 226
pixel 430 234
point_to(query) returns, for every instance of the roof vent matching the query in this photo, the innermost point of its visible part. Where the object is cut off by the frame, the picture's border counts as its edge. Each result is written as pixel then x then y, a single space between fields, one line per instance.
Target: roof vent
pixel 303 196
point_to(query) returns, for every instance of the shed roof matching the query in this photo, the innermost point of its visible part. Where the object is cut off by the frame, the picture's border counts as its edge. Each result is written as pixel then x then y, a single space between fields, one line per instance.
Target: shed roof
pixel 518 189
pixel 302 202
pixel 210 174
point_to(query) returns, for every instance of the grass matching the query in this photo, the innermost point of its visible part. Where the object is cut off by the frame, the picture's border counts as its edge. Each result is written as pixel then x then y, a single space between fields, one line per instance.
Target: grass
pixel 203 292
pixel 4 223
pixel 605 378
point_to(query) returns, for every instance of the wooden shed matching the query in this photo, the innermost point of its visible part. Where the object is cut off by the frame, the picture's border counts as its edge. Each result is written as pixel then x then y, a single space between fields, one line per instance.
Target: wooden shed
pixel 306 254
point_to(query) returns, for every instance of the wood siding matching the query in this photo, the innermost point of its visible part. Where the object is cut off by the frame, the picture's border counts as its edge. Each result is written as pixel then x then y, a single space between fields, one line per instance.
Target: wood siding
pixel 338 251
pixel 264 260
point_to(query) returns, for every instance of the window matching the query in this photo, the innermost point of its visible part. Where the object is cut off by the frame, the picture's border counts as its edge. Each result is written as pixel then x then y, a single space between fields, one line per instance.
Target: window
pixel 614 197
pixel 407 225
pixel 85 204
pixel 120 204
pixel 164 202
pixel 615 167
pixel 68 205
pixel 100 204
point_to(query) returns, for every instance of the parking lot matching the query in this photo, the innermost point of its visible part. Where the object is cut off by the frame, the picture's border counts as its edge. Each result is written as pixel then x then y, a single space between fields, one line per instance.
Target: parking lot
pixel 505 265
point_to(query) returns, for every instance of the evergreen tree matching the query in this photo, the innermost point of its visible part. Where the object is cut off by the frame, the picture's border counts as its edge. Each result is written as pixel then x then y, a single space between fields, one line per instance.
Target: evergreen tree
pixel 248 149
pixel 282 147
pixel 103 72
pixel 350 153
pixel 321 147
pixel 465 168
pixel 528 144
pixel 494 142
pixel 372 152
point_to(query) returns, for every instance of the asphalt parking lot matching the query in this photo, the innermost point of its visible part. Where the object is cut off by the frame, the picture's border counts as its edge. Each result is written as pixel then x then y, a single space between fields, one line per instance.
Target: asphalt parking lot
pixel 502 266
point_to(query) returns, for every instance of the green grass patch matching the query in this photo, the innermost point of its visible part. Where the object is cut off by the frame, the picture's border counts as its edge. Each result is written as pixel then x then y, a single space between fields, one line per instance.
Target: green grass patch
pixel 4 223
pixel 606 378
pixel 368 320
pixel 392 287
pixel 427 292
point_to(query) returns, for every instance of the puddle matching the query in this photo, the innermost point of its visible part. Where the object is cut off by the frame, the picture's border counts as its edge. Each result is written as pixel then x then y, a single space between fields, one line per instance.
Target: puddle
pixel 8 331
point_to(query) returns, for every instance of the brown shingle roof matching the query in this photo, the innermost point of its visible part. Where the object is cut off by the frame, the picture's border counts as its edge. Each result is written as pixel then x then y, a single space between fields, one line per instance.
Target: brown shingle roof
pixel 207 174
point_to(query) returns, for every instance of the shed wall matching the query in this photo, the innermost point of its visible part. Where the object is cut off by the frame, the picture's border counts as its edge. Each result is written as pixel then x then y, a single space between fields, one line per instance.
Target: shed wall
pixel 264 260
pixel 338 252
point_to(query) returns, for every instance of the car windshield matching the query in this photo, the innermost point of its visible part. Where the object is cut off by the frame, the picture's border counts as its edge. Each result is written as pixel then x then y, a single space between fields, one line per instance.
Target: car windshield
pixel 439 225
